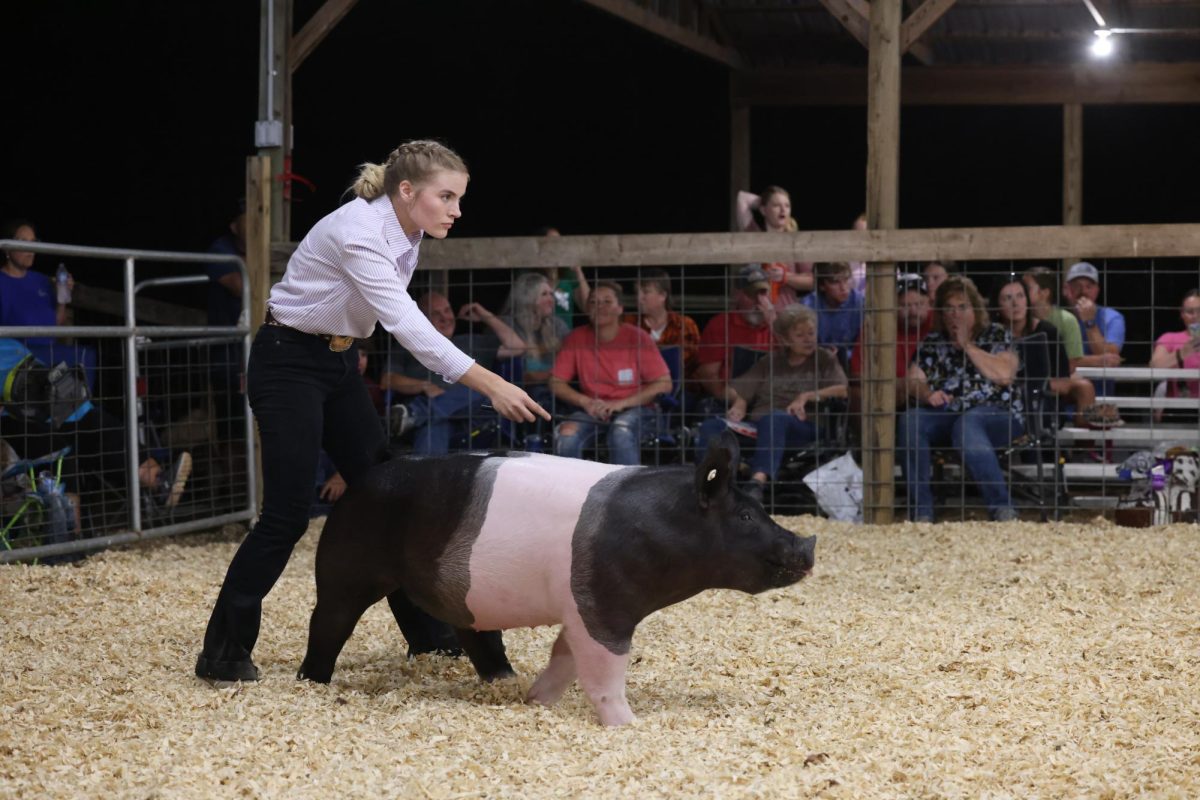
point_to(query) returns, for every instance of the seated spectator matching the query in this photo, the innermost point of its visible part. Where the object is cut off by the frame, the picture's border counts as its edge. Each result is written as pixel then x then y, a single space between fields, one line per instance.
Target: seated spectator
pixel 1102 328
pixel 225 310
pixel 778 393
pixel 1042 285
pixel 748 326
pixel 666 327
pixel 1181 349
pixel 839 308
pixel 31 298
pixel 962 379
pixel 936 272
pixel 531 313
pixel 787 280
pixel 439 410
pixel 1012 303
pixel 619 371
pixel 570 291
pixel 914 319
pixel 43 413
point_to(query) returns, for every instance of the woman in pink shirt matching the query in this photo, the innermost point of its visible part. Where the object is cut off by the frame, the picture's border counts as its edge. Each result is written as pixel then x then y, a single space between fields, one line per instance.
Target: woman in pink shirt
pixel 1181 348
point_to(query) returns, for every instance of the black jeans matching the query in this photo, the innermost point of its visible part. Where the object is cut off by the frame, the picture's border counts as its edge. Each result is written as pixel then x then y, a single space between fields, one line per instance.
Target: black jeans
pixel 305 398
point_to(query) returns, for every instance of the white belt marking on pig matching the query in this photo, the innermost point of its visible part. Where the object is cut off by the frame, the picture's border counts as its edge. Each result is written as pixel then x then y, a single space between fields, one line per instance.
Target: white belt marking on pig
pixel 521 560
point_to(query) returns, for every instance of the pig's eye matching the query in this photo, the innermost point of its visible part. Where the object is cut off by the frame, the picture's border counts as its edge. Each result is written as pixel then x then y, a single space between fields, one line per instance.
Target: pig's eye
pixel 746 516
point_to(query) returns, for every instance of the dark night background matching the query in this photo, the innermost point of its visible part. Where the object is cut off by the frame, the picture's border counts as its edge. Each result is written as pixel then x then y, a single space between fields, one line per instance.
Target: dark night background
pixel 128 124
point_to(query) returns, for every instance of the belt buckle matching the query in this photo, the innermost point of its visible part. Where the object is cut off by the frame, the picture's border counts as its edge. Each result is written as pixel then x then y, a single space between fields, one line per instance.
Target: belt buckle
pixel 340 344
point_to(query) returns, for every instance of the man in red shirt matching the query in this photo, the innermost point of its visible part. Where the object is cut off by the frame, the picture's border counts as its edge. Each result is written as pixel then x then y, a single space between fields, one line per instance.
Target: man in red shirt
pixel 619 371
pixel 914 320
pixel 747 327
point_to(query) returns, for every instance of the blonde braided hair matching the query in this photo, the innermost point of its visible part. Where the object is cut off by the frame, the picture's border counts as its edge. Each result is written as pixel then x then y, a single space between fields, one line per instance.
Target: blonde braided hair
pixel 414 161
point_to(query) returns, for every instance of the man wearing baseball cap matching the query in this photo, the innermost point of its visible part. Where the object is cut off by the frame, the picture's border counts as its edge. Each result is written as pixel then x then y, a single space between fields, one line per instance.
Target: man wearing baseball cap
pixel 746 326
pixel 1102 327
pixel 914 319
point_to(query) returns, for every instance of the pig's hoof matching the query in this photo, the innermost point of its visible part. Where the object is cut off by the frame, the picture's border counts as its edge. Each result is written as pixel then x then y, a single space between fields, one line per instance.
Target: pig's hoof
pixel 210 669
pixel 498 675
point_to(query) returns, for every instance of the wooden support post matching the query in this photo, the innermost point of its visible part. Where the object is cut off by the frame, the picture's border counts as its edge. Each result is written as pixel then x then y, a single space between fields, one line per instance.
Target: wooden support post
pixel 739 157
pixel 258 236
pixel 1072 169
pixel 275 104
pixel 879 338
pixel 258 262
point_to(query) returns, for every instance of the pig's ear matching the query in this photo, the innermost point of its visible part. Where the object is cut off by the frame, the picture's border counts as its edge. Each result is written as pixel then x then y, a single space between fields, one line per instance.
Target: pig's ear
pixel 714 475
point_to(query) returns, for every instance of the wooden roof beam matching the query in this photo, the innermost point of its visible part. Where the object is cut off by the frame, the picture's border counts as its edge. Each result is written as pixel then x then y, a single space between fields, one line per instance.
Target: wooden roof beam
pixel 316 29
pixel 921 20
pixel 672 31
pixel 1089 84
pixel 855 17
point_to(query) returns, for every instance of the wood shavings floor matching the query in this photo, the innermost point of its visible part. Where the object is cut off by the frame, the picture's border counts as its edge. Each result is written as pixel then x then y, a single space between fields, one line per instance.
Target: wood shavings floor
pixel 958 660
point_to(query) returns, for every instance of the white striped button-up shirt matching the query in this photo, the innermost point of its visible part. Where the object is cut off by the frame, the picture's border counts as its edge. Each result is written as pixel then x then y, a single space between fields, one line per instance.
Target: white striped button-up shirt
pixel 351 271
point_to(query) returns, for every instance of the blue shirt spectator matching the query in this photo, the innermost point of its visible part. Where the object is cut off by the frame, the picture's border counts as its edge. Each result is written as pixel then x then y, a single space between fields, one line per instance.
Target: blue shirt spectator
pixel 224 278
pixel 1102 328
pixel 839 309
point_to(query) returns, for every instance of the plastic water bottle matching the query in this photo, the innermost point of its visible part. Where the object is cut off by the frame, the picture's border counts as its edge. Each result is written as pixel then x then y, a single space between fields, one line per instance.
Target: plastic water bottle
pixel 61 278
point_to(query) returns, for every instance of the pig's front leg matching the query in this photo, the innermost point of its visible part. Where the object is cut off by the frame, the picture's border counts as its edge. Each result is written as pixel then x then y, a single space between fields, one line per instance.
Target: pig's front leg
pixel 601 674
pixel 556 677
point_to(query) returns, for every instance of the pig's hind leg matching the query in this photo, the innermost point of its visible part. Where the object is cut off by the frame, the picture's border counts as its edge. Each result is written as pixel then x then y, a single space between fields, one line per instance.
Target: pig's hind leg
pixel 330 627
pixel 486 651
pixel 424 633
pixel 556 677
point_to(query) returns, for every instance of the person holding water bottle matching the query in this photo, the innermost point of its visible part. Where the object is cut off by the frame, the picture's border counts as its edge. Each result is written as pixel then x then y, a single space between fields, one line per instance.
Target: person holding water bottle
pixel 27 298
pixel 1181 349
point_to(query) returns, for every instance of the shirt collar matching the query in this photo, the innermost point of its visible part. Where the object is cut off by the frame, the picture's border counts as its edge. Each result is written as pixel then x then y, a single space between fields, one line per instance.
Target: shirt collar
pixel 399 241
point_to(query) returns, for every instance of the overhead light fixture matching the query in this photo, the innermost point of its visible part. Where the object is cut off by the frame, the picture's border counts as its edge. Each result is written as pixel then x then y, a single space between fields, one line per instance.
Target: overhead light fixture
pixel 1103 46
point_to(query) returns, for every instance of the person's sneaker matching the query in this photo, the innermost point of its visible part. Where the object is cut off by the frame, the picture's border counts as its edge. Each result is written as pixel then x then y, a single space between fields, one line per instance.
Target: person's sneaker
pixel 175 479
pixel 1006 514
pixel 400 420
pixel 212 670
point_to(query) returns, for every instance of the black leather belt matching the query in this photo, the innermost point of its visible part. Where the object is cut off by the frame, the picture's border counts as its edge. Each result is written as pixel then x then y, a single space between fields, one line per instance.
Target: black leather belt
pixel 337 342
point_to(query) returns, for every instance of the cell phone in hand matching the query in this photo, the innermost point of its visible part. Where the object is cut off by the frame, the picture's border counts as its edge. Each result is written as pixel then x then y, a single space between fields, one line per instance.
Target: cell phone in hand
pixel 1194 330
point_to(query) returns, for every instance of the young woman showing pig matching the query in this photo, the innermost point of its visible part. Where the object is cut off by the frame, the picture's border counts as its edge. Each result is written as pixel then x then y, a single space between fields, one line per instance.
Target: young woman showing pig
pixel 350 273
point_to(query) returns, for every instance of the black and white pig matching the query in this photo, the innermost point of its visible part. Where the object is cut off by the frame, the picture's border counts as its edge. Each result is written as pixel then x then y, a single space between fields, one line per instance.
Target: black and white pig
pixel 487 542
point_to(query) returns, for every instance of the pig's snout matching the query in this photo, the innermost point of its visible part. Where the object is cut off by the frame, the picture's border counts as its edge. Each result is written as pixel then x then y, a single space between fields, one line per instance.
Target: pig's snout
pixel 792 558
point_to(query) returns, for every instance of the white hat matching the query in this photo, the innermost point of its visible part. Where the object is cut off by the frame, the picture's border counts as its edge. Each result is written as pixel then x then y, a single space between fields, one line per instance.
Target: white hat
pixel 1083 270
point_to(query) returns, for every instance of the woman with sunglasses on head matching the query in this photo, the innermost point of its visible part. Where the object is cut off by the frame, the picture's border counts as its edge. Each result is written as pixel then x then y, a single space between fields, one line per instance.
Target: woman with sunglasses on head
pixel 351 272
